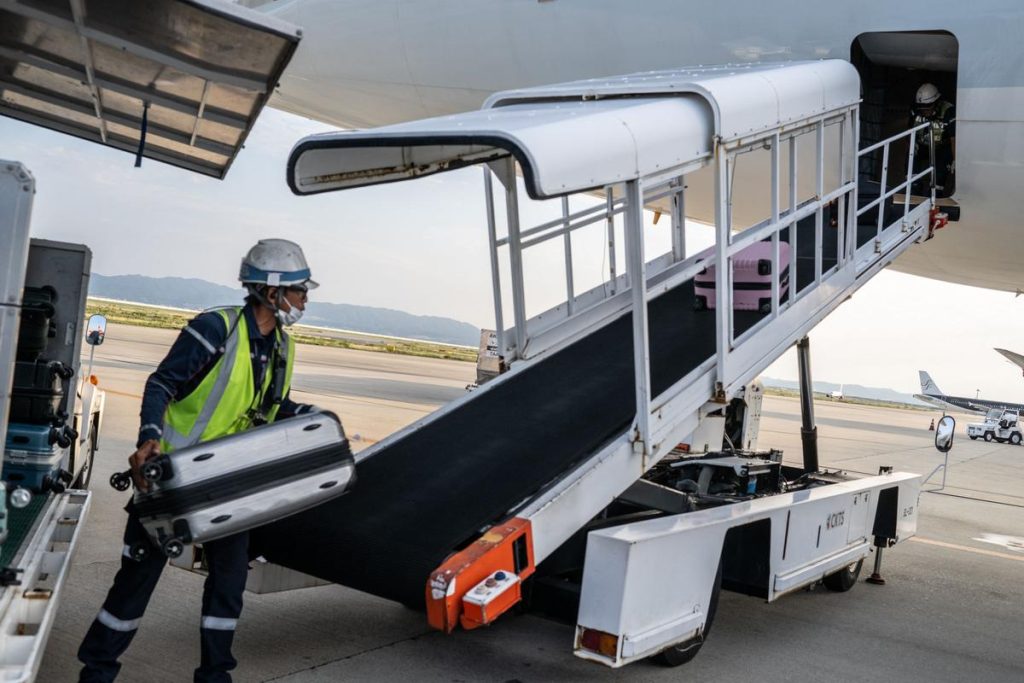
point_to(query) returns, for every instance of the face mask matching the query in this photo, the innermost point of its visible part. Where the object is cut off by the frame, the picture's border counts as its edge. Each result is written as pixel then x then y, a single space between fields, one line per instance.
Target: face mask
pixel 287 318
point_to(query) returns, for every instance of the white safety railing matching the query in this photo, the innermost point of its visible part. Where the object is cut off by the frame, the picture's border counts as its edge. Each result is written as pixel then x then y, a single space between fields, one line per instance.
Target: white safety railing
pixel 747 342
pixel 879 204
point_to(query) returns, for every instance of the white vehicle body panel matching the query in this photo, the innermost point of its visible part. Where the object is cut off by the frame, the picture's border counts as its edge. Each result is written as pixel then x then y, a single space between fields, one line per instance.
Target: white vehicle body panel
pixel 814 533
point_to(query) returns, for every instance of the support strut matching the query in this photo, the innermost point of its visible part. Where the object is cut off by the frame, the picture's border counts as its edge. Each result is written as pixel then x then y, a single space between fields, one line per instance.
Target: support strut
pixel 808 432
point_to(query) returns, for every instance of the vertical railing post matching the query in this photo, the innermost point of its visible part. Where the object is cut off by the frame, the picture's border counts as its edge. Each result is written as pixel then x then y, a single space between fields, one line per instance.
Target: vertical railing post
pixel 852 220
pixel 515 249
pixel 910 174
pixel 777 266
pixel 723 291
pixel 819 192
pixel 634 222
pixel 793 232
pixel 881 193
pixel 569 290
pixel 492 242
pixel 679 220
pixel 610 226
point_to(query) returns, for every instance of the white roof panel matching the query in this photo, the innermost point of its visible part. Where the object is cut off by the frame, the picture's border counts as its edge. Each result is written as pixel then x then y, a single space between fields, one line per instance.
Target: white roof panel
pixel 562 147
pixel 587 134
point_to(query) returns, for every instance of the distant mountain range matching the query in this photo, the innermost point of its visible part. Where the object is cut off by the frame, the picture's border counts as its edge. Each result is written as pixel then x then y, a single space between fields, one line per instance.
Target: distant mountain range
pixel 850 390
pixel 195 294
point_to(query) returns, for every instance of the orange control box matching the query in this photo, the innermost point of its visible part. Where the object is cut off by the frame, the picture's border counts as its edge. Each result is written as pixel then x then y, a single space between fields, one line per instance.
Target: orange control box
pixel 490 598
pixel 506 548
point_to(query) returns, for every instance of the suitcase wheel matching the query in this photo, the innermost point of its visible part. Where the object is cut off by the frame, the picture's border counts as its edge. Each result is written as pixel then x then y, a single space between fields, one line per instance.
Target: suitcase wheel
pixel 139 551
pixel 172 547
pixel 152 471
pixel 121 481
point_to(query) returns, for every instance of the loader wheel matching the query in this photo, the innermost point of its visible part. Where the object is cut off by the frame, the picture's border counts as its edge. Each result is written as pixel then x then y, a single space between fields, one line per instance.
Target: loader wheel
pixel 1015 439
pixel 681 653
pixel 844 579
pixel 989 436
pixel 973 437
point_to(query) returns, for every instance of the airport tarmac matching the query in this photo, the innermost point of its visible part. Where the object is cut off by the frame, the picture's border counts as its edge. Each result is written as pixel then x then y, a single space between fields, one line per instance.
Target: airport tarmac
pixel 953 608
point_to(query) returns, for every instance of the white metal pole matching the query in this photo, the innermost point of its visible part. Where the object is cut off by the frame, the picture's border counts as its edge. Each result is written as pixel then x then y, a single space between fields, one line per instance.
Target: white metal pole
pixel 569 292
pixel 852 221
pixel 819 191
pixel 777 266
pixel 881 193
pixel 723 293
pixel 492 240
pixel 515 248
pixel 679 221
pixel 610 213
pixel 638 282
pixel 793 232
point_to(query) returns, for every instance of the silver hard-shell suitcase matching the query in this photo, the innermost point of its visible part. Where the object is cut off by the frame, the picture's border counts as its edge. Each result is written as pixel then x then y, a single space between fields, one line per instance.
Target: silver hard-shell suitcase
pixel 234 483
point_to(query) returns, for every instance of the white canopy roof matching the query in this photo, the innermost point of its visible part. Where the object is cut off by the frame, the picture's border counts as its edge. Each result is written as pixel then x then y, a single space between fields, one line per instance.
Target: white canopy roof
pixel 587 134
pixel 205 68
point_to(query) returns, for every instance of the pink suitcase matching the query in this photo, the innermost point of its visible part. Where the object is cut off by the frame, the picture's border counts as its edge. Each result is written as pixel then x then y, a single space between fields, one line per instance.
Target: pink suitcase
pixel 751 280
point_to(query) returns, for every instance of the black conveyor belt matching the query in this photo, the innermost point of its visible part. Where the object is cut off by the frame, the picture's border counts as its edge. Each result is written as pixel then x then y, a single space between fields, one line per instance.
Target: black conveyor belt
pixel 432 491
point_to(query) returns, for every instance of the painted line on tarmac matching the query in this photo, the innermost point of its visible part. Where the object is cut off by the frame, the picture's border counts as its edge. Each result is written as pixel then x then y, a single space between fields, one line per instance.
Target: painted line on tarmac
pixel 966 548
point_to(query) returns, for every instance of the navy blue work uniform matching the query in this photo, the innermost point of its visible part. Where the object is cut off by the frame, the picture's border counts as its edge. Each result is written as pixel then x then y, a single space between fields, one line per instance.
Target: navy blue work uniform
pixel 190 358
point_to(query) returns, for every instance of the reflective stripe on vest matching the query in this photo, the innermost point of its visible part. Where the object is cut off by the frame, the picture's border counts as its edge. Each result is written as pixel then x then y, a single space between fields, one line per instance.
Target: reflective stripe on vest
pixel 221 403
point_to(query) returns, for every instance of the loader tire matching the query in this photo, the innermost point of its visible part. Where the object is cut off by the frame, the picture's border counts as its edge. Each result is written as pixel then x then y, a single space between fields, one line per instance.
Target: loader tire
pixel 989 436
pixel 1015 439
pixel 844 579
pixel 681 653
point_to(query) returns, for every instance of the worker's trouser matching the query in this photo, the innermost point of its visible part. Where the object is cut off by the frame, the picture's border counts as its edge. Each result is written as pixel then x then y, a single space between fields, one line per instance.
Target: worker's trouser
pixel 114 627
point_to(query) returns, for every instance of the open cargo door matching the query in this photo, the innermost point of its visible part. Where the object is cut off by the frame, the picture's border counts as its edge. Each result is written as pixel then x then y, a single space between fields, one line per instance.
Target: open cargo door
pixel 179 81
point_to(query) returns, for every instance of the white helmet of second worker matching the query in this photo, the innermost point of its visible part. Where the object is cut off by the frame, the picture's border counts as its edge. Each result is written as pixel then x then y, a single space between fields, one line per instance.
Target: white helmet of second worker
pixel 276 263
pixel 927 94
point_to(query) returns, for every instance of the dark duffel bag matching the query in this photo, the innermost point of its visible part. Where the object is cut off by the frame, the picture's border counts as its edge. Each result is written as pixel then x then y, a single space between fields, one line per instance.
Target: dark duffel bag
pixel 37 324
pixel 37 391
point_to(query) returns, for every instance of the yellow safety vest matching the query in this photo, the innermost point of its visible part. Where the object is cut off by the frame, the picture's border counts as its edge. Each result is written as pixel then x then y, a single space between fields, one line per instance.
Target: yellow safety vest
pixel 221 404
pixel 938 124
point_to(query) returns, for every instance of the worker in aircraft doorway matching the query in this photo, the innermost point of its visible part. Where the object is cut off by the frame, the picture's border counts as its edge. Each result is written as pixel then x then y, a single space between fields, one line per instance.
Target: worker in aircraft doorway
pixel 229 370
pixel 930 107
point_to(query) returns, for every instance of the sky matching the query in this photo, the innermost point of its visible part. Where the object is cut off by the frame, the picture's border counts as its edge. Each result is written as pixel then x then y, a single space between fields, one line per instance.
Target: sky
pixel 421 247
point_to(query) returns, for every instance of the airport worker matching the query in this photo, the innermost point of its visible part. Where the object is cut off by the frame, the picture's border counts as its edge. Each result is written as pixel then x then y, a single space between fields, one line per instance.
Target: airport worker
pixel 930 107
pixel 217 379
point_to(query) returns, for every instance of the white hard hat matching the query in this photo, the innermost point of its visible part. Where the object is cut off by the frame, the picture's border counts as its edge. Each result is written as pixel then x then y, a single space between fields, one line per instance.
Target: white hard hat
pixel 927 94
pixel 277 263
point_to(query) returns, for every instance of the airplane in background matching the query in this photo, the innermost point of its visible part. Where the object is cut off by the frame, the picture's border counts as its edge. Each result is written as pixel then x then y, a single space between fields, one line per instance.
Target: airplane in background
pixel 364 64
pixel 930 393
pixel 837 395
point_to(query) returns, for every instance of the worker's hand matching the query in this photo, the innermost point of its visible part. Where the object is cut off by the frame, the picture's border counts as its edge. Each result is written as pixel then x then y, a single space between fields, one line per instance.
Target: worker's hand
pixel 148 449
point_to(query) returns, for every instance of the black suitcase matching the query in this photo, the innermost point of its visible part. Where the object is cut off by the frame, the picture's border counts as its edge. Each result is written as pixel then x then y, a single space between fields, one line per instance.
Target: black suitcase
pixel 37 325
pixel 227 485
pixel 37 391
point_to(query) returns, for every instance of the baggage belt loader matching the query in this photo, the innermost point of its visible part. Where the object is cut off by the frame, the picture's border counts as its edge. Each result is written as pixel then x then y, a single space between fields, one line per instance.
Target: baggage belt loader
pixel 579 477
